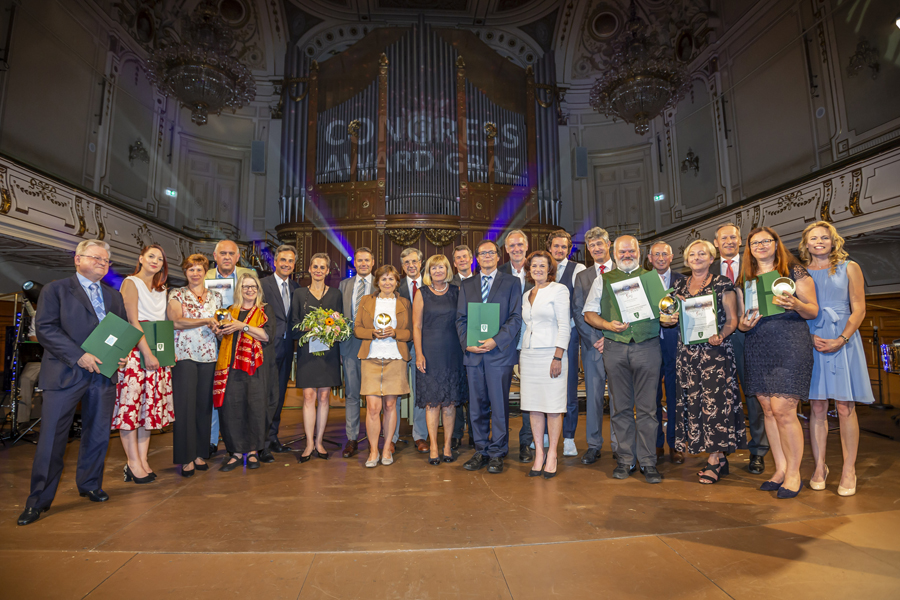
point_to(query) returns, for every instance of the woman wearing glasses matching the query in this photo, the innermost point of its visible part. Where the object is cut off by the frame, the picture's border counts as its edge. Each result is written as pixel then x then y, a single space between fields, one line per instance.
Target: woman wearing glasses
pixel 239 387
pixel 144 392
pixel 778 355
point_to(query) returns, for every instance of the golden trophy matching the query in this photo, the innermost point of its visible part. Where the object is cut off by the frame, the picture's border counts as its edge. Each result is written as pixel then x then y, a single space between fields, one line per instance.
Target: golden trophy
pixel 668 305
pixel 223 315
pixel 383 319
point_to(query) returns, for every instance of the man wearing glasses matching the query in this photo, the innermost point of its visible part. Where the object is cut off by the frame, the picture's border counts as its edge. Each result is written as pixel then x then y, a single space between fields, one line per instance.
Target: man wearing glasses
pixel 68 311
pixel 489 365
pixel 661 258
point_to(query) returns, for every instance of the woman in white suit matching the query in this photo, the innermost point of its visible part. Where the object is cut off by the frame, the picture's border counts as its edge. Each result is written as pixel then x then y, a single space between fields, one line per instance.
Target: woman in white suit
pixel 543 363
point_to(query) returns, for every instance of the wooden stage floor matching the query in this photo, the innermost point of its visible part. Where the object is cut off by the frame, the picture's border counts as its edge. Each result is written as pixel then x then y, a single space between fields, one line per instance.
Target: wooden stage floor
pixel 333 529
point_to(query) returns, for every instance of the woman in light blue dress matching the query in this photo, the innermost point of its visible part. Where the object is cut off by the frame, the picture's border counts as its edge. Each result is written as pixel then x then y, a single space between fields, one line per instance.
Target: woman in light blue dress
pixel 839 371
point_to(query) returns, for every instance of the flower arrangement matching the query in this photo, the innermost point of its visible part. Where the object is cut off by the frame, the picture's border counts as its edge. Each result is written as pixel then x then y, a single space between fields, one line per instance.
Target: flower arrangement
pixel 324 325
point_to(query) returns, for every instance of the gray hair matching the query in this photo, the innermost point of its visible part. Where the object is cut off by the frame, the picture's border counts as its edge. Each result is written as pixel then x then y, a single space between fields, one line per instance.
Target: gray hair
pixel 660 243
pixel 516 232
pixel 596 233
pixel 220 242
pixel 286 248
pixel 622 238
pixel 82 246
pixel 409 251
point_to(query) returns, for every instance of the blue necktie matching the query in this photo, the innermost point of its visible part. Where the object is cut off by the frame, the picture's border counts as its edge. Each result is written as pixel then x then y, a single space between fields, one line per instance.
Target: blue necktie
pixel 97 301
pixel 485 287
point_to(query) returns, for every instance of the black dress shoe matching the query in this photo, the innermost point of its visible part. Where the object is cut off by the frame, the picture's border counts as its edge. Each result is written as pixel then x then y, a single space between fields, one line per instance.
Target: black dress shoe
pixel 476 462
pixel 213 448
pixel 495 465
pixel 302 459
pixel 203 467
pixel 623 471
pixel 266 456
pixel 253 461
pixel 526 454
pixel 434 461
pixel 278 448
pixel 652 475
pixel 449 458
pixel 591 456
pixel 454 443
pixel 231 466
pixel 757 465
pixel 97 495
pixel 30 515
pixel 187 473
pixel 322 455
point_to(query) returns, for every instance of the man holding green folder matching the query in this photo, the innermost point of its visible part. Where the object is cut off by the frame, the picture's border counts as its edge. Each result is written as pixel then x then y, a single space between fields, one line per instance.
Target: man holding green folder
pixel 68 311
pixel 490 307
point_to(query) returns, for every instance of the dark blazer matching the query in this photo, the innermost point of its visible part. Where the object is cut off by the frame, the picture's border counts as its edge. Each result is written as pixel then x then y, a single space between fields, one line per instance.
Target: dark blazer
pixel 507 292
pixel 456 280
pixel 507 268
pixel 65 318
pixel 364 329
pixel 272 297
pixel 403 290
pixel 669 339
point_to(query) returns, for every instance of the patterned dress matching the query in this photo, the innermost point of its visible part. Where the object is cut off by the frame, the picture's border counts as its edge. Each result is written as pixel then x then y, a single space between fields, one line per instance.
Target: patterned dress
pixel 144 398
pixel 709 415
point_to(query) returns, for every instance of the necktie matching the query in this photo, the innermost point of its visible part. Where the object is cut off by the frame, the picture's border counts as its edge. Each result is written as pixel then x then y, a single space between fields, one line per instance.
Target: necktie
pixel 360 292
pixel 485 287
pixel 286 300
pixel 97 301
pixel 602 269
pixel 415 289
pixel 729 272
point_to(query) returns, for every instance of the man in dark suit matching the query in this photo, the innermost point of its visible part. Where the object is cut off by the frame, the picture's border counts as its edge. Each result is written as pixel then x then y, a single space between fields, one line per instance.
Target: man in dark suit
pixel 411 263
pixel 597 241
pixel 516 245
pixel 462 260
pixel 278 291
pixel 661 257
pixel 489 365
pixel 728 243
pixel 68 311
pixel 353 289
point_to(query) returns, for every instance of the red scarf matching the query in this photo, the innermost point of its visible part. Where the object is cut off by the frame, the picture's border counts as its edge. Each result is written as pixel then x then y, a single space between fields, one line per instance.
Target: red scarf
pixel 247 357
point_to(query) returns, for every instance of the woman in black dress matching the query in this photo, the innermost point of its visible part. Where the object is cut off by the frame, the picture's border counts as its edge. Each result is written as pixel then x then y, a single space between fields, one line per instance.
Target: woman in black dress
pixel 240 386
pixel 441 383
pixel 709 415
pixel 316 374
pixel 778 356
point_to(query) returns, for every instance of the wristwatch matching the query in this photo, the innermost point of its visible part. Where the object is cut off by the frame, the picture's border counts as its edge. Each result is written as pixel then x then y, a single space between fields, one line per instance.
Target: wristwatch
pixel 246 328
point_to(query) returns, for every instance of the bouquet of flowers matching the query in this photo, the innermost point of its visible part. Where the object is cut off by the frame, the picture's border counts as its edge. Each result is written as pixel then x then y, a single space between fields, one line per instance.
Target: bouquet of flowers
pixel 325 326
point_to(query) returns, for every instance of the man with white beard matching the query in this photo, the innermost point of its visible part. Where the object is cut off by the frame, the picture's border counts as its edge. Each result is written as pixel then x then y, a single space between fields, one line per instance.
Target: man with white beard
pixel 633 359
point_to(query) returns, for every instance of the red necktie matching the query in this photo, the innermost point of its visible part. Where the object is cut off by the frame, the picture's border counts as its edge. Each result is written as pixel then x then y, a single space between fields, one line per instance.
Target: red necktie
pixel 729 272
pixel 602 269
pixel 415 289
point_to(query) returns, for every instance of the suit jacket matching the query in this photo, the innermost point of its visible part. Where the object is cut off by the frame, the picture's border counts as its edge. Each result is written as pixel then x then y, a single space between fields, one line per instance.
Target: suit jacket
pixel 403 290
pixel 272 297
pixel 668 341
pixel 545 324
pixel 364 328
pixel 350 346
pixel 457 280
pixel 64 319
pixel 507 292
pixel 507 268
pixel 589 335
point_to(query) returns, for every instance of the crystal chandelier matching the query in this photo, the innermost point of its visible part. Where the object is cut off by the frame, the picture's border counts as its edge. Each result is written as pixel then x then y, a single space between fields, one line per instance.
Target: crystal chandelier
pixel 200 73
pixel 643 78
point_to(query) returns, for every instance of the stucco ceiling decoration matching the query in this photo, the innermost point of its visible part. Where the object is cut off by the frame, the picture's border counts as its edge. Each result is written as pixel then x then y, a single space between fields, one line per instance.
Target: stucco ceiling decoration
pixel 438 12
pixel 683 27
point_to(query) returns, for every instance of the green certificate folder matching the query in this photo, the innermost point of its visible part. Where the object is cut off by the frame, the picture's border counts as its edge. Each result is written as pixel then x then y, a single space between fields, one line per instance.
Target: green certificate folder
pixel 764 294
pixel 161 339
pixel 653 289
pixel 483 322
pixel 697 335
pixel 110 341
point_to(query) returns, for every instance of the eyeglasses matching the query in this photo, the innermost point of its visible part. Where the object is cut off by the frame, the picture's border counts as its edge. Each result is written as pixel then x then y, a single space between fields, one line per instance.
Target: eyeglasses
pixel 487 253
pixel 660 254
pixel 758 243
pixel 102 261
pixel 249 287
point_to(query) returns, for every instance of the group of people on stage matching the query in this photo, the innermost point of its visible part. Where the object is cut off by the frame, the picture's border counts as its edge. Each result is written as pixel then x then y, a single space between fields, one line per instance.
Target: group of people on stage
pixel 410 337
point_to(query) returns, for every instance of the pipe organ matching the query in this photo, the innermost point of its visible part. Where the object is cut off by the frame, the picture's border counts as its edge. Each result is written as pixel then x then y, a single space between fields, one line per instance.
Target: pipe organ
pixel 418 137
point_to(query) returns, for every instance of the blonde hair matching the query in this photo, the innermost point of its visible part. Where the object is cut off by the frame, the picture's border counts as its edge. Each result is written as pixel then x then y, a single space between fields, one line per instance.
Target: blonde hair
pixel 239 291
pixel 837 256
pixel 437 259
pixel 708 246
pixel 82 246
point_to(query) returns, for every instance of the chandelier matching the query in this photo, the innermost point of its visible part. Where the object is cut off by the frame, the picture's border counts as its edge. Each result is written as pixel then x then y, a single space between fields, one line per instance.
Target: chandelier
pixel 643 78
pixel 200 73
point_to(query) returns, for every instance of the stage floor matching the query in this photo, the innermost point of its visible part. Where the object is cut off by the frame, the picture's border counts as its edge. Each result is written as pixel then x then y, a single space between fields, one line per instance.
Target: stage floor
pixel 333 529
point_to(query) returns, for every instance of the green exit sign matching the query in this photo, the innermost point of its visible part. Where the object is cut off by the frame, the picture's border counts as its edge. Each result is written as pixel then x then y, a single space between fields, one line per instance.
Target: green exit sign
pixel 659 197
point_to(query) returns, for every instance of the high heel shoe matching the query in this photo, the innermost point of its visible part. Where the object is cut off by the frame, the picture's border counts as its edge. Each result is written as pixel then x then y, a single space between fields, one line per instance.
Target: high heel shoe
pixel 533 473
pixel 130 476
pixel 818 485
pixel 322 455
pixel 842 491
pixel 547 474
pixel 434 461
pixel 303 459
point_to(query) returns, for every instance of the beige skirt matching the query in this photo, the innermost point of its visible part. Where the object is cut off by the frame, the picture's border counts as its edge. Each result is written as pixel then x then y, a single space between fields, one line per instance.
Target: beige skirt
pixel 382 377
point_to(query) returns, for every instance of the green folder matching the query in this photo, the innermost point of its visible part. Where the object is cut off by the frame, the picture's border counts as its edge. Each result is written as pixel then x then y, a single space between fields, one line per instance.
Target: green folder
pixel 161 339
pixel 653 288
pixel 764 294
pixel 111 340
pixel 483 322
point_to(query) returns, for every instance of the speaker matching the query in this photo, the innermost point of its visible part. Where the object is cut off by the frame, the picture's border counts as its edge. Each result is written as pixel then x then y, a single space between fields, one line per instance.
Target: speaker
pixel 258 157
pixel 580 162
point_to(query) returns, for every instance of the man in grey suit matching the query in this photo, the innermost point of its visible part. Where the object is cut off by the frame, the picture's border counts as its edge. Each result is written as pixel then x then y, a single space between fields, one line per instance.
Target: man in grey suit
pixel 353 289
pixel 597 241
pixel 411 263
pixel 728 242
pixel 516 245
pixel 278 291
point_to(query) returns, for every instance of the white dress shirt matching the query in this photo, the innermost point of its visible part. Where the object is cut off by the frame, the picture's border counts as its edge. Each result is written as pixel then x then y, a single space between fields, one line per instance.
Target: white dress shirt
pixel 491 276
pixel 281 282
pixel 666 278
pixel 735 266
pixel 519 274
pixel 367 288
pixel 561 267
pixel 409 284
